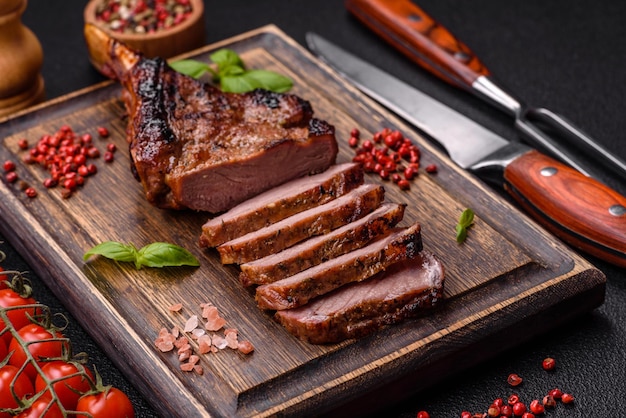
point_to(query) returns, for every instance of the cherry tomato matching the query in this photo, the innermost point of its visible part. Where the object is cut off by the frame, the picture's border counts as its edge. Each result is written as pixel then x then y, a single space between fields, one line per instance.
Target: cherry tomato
pixel 43 407
pixel 21 384
pixel 69 383
pixel 3 350
pixel 107 404
pixel 18 317
pixel 39 350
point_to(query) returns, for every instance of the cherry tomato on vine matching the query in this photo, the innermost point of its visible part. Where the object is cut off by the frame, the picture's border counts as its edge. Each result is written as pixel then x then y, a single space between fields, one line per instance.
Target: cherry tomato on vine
pixel 43 407
pixel 3 350
pixel 108 404
pixel 39 350
pixel 18 317
pixel 21 384
pixel 69 381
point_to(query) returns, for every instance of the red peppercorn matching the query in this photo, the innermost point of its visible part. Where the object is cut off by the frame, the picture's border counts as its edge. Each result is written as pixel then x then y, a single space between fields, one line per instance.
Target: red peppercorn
pixel 70 184
pixel 506 410
pixel 567 398
pixel 409 173
pixel 466 414
pixel 23 143
pixel 102 131
pixel 513 399
pixel 404 184
pixel 493 411
pixel 50 183
pixel 536 407
pixel 8 166
pixel 519 408
pixel 111 147
pixel 548 364
pixel 30 192
pixel 514 379
pixel 556 393
pixel 431 169
pixel 548 401
pixel 11 176
pixel 353 141
pixel 108 157
pixel 528 415
pixel 498 402
pixel 423 414
pixel 355 133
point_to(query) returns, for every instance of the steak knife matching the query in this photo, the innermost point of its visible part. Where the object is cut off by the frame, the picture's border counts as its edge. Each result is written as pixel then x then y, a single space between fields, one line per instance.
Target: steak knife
pixel 581 211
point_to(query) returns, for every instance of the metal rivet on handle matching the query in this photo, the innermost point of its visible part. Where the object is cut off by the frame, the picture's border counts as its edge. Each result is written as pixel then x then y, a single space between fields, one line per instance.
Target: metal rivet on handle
pixel 548 171
pixel 617 210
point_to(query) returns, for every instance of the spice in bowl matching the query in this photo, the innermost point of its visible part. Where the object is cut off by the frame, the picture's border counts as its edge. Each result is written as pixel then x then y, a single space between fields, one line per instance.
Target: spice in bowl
pixel 142 16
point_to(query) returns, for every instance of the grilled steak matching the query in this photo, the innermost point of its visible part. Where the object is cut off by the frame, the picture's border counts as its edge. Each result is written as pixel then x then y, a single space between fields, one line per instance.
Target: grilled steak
pixel 321 248
pixel 405 290
pixel 315 221
pixel 279 203
pixel 355 266
pixel 194 146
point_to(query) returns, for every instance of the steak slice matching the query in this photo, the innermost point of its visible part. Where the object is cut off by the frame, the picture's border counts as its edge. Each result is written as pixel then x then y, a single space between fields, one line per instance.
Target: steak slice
pixel 405 290
pixel 357 265
pixel 321 248
pixel 315 221
pixel 279 203
pixel 194 146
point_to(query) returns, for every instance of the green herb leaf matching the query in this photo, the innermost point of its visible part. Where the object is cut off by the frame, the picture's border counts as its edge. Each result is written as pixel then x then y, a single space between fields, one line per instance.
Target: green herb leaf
pixel 232 75
pixel 162 254
pixel 158 254
pixel 465 221
pixel 227 58
pixel 191 68
pixel 113 250
pixel 270 80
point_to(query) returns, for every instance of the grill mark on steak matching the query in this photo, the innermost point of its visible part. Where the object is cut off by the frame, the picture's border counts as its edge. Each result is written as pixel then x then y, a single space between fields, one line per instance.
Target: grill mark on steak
pixel 407 289
pixel 279 203
pixel 322 248
pixel 357 265
pixel 194 146
pixel 315 221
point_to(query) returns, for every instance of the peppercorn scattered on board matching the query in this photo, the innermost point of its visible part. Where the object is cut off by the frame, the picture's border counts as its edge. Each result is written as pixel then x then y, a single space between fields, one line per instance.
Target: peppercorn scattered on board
pixel 501 283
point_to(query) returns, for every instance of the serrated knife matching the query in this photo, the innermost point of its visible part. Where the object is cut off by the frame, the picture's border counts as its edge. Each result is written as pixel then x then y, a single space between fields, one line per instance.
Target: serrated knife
pixel 581 211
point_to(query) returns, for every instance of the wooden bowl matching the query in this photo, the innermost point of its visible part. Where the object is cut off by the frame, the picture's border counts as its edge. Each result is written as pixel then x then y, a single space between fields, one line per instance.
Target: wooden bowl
pixel 164 43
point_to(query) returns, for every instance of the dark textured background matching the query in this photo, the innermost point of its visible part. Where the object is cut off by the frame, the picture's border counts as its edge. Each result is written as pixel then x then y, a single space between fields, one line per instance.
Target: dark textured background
pixel 569 56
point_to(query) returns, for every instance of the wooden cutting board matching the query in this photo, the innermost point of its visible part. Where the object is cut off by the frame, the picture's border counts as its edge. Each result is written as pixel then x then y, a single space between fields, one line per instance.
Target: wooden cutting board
pixel 503 281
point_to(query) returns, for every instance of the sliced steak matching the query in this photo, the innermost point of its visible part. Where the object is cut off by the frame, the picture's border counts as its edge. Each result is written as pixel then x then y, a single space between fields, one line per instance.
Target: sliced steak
pixel 194 146
pixel 315 221
pixel 321 248
pixel 357 265
pixel 279 203
pixel 406 289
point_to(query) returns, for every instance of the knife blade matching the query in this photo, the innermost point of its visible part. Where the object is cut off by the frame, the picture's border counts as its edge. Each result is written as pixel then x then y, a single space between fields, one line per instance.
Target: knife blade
pixel 425 41
pixel 581 211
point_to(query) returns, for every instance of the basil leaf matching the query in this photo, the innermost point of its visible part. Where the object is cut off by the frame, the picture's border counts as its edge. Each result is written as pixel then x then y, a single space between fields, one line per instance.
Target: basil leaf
pixel 269 80
pixel 227 58
pixel 461 234
pixel 162 254
pixel 191 68
pixel 465 221
pixel 237 84
pixel 113 250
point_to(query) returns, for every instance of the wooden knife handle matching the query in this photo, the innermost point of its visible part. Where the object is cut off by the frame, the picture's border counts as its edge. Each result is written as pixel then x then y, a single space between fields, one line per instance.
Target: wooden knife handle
pixel 410 30
pixel 580 210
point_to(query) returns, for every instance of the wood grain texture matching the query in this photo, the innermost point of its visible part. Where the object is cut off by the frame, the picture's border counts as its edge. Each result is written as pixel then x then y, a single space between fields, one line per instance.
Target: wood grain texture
pixel 574 207
pixel 508 270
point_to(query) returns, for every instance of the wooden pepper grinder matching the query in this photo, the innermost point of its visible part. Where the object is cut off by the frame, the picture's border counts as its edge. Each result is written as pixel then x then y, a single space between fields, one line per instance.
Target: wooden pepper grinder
pixel 21 58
